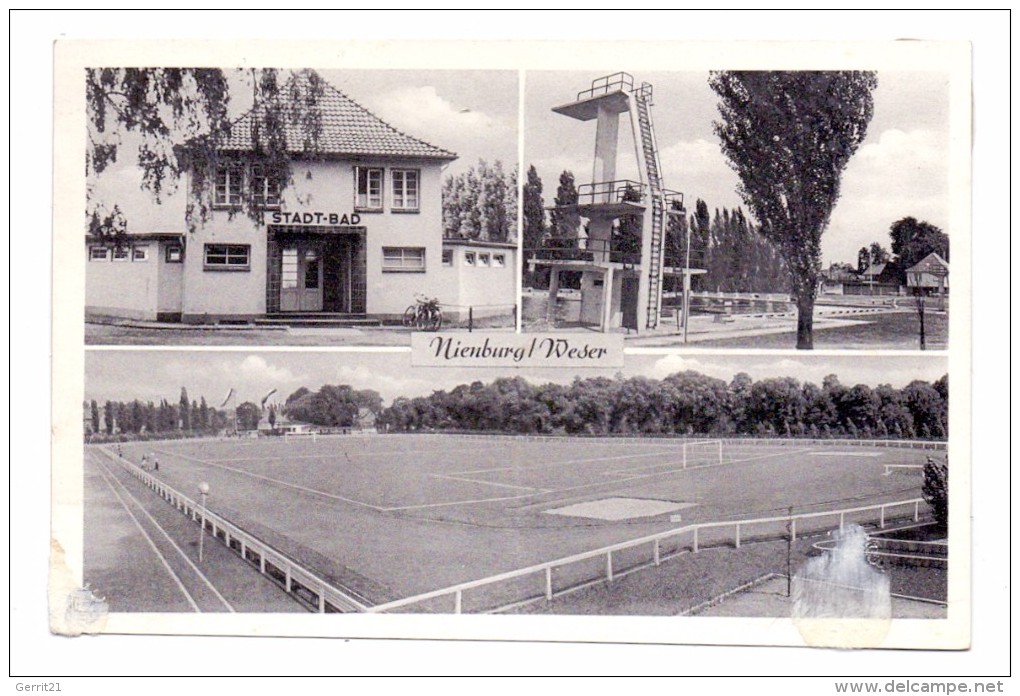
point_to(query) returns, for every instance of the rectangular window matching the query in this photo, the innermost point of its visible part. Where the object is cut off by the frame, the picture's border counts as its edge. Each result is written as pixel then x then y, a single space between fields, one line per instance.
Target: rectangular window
pixel 498 260
pixel 121 253
pixel 174 253
pixel 368 188
pixel 265 189
pixel 469 258
pixel 483 260
pixel 140 253
pixel 447 257
pixel 403 259
pixel 97 253
pixel 229 184
pixel 405 190
pixel 227 257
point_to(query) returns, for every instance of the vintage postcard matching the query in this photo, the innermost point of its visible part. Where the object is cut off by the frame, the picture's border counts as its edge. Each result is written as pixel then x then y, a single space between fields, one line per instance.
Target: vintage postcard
pixel 640 343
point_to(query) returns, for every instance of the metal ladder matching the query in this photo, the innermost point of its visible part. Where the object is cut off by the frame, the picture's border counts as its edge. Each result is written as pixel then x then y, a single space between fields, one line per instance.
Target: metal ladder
pixel 642 100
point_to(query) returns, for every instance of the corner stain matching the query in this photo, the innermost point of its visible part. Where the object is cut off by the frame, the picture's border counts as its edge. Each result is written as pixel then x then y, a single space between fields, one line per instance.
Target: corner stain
pixel 839 599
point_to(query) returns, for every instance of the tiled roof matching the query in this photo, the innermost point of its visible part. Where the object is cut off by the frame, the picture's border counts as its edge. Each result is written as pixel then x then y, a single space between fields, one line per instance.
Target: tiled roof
pixel 929 264
pixel 347 128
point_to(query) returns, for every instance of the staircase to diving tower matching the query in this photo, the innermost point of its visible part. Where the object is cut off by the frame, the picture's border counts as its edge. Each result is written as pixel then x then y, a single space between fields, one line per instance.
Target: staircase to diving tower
pixel 649 148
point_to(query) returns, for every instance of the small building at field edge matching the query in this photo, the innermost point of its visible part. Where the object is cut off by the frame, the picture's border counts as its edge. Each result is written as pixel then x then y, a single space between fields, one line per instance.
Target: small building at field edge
pixel 358 231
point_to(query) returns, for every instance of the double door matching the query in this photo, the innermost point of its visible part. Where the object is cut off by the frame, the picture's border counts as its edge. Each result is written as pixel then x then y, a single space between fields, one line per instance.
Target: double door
pixel 301 277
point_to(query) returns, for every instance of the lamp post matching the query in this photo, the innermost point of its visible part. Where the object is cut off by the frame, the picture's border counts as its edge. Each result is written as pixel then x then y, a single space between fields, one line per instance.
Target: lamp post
pixel 203 488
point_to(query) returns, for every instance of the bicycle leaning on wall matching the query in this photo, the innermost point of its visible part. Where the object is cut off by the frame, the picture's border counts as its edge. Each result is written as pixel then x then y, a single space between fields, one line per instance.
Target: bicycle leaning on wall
pixel 425 314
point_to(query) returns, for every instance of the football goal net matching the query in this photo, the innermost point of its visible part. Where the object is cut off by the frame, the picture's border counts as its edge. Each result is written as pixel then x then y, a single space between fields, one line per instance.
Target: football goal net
pixel 702 453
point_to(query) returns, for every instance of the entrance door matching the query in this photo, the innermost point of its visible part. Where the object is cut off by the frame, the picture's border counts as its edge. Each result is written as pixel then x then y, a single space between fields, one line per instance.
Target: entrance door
pixel 629 302
pixel 301 278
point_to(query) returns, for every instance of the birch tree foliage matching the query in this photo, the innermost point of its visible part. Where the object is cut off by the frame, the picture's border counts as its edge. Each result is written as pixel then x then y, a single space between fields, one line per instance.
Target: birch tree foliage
pixel 172 121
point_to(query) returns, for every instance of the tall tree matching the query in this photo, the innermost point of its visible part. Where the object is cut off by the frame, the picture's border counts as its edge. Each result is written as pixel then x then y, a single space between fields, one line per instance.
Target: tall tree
pixel 247 415
pixel 94 416
pixel 863 259
pixel 184 410
pixel 912 240
pixel 565 223
pixel 789 136
pixel 878 254
pixel 533 211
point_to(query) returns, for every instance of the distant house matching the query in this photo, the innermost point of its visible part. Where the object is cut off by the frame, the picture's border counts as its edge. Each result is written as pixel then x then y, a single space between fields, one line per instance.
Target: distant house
pixel 930 274
pixel 366 419
pixel 876 279
pixel 834 278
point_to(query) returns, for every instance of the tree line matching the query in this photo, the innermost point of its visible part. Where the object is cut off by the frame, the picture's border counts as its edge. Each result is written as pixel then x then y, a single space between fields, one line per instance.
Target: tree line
pixel 148 418
pixel 730 248
pixel 685 403
pixel 481 204
pixel 728 245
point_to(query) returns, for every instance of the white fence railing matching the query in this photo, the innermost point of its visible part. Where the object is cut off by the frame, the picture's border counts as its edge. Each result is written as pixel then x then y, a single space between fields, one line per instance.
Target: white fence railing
pixel 664 439
pixel 661 545
pixel 317 594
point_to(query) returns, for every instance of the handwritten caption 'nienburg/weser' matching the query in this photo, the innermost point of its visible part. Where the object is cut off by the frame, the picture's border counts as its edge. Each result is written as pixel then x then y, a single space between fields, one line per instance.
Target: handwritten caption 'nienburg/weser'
pixel 511 350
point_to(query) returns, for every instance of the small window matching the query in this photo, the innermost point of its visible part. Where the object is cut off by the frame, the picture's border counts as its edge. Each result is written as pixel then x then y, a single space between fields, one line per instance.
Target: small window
pixel 447 257
pixel 483 260
pixel 368 188
pixel 227 257
pixel 140 253
pixel 403 259
pixel 121 253
pixel 469 258
pixel 174 253
pixel 405 190
pixel 498 260
pixel 265 189
pixel 229 184
pixel 98 253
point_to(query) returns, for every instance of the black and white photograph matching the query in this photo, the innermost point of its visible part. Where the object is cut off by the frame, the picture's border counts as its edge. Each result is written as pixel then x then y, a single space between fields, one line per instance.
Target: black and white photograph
pixel 751 209
pixel 556 344
pixel 298 207
pixel 678 486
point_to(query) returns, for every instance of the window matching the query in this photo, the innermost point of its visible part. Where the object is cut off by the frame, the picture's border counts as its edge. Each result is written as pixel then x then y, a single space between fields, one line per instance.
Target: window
pixel 140 253
pixel 227 257
pixel 265 189
pixel 121 253
pixel 229 183
pixel 404 259
pixel 98 253
pixel 469 258
pixel 447 257
pixel 405 190
pixel 174 253
pixel 368 188
pixel 498 260
pixel 483 260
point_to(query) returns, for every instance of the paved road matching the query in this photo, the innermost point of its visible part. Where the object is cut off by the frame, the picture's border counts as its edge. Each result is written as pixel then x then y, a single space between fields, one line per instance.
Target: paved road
pixel 141 554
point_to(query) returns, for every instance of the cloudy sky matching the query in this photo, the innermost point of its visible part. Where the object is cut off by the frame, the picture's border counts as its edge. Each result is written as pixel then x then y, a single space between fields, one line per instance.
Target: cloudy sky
pixel 473 113
pixel 900 170
pixel 158 374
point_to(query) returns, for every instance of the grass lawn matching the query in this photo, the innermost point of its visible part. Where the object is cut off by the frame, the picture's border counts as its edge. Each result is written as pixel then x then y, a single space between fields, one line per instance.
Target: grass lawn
pixel 896 330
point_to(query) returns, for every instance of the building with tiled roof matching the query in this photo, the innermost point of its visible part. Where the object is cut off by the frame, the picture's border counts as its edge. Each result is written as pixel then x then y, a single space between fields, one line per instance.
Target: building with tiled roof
pixel 930 274
pixel 357 231
pixel 341 128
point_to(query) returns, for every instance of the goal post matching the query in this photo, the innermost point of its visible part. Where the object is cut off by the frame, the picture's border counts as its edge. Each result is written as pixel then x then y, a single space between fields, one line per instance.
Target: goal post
pixel 702 453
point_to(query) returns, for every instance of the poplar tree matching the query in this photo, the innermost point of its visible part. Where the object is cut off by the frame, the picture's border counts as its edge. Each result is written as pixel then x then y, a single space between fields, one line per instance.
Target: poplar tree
pixel 789 137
